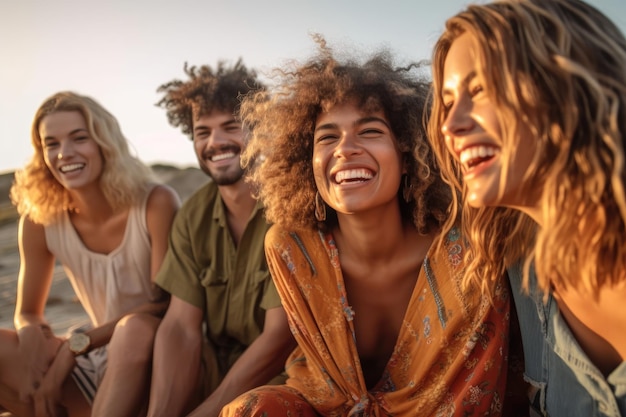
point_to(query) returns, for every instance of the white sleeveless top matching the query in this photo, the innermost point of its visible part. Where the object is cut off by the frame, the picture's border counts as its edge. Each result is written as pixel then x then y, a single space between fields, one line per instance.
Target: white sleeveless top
pixel 107 285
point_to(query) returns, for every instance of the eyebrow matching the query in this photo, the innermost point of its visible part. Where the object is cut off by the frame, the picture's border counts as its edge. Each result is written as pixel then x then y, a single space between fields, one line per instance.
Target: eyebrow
pixel 361 121
pixel 225 124
pixel 464 82
pixel 80 129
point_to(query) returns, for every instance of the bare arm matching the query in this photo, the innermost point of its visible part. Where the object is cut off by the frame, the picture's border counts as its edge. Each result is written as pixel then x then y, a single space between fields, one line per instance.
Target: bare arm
pixel 176 364
pixel 36 341
pixel 264 359
pixel 162 207
pixel 35 275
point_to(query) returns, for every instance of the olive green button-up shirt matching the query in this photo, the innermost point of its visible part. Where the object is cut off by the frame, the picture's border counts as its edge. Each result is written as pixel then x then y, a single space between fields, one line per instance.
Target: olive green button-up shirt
pixel 230 284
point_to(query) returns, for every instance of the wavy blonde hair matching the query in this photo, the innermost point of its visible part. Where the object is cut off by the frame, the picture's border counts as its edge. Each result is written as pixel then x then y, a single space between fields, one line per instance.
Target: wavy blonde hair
pixel 124 180
pixel 280 150
pixel 558 67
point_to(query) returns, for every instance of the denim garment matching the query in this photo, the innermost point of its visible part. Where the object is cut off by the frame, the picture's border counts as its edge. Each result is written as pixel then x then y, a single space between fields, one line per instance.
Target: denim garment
pixel 565 382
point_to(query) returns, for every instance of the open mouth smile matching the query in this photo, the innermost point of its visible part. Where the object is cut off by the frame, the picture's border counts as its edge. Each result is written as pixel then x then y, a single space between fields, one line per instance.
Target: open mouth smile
pixel 353 175
pixel 475 155
pixel 222 156
pixel 71 168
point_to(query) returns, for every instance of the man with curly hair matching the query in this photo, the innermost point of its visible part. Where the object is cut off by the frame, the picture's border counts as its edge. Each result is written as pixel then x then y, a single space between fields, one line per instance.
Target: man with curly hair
pixel 225 330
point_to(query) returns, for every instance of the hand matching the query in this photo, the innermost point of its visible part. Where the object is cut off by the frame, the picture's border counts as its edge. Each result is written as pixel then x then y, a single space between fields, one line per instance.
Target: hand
pixel 38 347
pixel 47 398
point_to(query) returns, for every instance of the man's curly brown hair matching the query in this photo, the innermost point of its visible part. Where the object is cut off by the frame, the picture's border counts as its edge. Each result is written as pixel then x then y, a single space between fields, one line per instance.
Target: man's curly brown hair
pixel 206 90
pixel 279 154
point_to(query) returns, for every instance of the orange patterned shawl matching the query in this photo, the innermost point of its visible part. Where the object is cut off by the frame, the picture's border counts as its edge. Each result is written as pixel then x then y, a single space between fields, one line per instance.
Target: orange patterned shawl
pixel 449 359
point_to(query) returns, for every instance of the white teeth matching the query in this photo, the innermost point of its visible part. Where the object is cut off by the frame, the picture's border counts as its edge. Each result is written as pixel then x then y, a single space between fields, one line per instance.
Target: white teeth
pixel 71 167
pixel 222 156
pixel 476 152
pixel 351 174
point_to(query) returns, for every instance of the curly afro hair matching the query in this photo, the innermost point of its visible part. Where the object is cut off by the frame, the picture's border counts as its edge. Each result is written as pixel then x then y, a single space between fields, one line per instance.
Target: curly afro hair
pixel 279 154
pixel 206 90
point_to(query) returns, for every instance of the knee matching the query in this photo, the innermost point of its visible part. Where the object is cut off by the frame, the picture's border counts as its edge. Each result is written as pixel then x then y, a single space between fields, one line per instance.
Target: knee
pixel 10 358
pixel 8 342
pixel 134 334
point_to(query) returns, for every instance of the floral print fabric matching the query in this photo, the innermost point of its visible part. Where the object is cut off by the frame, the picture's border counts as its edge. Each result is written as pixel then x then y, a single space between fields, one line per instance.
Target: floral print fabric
pixel 450 358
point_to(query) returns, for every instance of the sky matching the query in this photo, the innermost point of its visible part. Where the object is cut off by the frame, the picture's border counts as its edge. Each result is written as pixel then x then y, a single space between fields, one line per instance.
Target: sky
pixel 120 51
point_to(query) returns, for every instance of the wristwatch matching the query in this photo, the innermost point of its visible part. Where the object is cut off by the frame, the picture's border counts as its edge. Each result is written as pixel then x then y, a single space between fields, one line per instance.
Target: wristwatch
pixel 78 343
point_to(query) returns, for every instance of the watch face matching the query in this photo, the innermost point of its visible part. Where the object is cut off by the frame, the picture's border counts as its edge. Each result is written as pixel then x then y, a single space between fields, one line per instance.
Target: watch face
pixel 79 342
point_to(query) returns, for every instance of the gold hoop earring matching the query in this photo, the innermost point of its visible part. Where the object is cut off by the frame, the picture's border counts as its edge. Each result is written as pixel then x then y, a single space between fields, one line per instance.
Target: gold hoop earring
pixel 407 190
pixel 320 207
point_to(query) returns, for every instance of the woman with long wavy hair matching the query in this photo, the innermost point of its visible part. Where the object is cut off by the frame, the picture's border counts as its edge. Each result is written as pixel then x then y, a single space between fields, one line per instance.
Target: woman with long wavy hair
pixel 88 203
pixel 529 124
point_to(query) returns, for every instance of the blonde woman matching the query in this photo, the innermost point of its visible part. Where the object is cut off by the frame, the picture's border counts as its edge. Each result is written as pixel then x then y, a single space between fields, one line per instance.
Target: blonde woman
pixel 86 202
pixel 529 122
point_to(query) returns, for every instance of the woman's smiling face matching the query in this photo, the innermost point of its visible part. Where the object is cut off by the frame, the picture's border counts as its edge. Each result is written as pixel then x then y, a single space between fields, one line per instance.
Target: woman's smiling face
pixel 356 161
pixel 72 155
pixel 474 136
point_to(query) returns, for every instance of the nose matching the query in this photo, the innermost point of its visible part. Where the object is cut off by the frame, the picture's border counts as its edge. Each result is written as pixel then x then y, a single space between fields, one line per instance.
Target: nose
pixel 205 142
pixel 66 149
pixel 215 140
pixel 458 121
pixel 347 145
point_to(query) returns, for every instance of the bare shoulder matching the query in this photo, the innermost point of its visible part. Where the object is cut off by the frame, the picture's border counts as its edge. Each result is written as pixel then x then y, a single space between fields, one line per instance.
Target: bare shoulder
pixel 163 203
pixel 32 239
pixel 163 196
pixel 30 229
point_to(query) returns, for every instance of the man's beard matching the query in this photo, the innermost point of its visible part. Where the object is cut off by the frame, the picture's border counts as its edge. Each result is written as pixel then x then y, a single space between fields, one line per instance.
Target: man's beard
pixel 223 178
